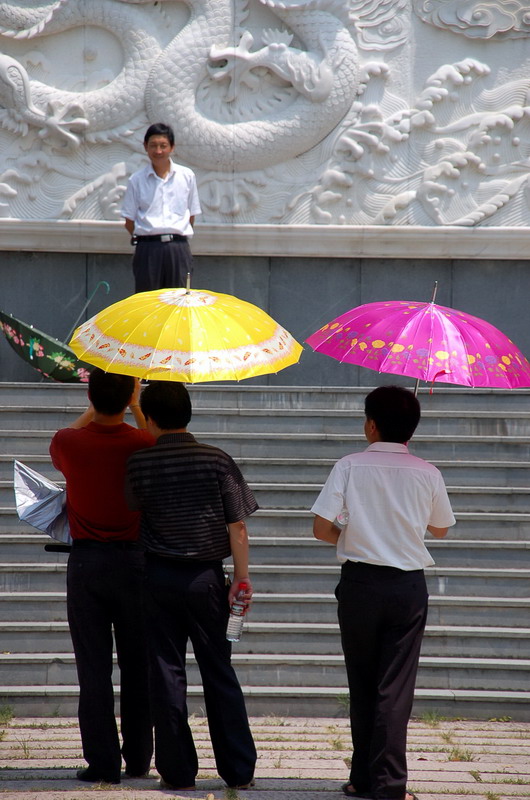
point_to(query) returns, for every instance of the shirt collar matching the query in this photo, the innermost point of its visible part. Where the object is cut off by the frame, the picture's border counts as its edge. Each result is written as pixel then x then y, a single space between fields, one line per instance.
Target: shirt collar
pixel 175 438
pixel 151 171
pixel 387 447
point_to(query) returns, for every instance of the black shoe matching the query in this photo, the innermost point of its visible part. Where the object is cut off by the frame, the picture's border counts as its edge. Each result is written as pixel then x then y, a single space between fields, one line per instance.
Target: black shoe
pixel 166 785
pixel 90 775
pixel 136 773
pixel 248 785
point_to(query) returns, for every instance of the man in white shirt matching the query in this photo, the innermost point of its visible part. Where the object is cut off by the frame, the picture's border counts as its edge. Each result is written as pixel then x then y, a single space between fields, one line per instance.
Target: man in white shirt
pixel 159 207
pixel 386 499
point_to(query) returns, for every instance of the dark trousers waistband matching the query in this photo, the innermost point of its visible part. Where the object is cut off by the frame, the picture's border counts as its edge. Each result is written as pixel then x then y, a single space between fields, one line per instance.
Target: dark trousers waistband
pixel 162 237
pixel 362 567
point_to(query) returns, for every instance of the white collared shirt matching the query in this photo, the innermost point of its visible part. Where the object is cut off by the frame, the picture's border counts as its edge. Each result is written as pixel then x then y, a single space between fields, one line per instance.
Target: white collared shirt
pixel 162 205
pixel 390 496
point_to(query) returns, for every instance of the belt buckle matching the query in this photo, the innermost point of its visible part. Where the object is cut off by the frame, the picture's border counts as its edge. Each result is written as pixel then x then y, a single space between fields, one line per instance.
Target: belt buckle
pixel 166 237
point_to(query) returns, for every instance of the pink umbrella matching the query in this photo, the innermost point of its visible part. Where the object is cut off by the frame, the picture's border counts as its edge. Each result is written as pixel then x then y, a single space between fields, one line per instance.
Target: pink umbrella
pixel 424 341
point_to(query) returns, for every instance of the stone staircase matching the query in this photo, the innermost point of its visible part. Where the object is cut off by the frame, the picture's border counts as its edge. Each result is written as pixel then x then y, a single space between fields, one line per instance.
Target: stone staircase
pixel 476 653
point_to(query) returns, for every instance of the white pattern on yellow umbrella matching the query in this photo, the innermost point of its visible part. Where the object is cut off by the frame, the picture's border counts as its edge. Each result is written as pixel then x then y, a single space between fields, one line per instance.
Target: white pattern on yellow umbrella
pixel 185 335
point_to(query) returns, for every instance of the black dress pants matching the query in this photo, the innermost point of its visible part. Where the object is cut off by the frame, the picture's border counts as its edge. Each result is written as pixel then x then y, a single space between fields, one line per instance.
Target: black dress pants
pixel 382 613
pixel 105 593
pixel 188 600
pixel 161 265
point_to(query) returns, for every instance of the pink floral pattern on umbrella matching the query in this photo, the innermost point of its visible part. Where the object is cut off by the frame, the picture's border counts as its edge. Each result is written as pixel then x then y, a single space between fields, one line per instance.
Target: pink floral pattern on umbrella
pixel 425 341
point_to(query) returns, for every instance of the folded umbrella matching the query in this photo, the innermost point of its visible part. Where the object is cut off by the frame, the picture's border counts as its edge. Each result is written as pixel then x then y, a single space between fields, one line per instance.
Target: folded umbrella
pixel 49 356
pixel 41 503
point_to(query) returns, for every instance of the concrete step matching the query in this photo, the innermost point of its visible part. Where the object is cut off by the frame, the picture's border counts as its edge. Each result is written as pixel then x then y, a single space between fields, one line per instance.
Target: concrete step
pixel 302 496
pixel 34 669
pixel 301 701
pixel 301 445
pixel 511 612
pixel 281 578
pixel 463 498
pixel 289 420
pixel 316 470
pixel 297 638
pixel 288 522
pixel 245 395
pixel 307 550
pixel 288 495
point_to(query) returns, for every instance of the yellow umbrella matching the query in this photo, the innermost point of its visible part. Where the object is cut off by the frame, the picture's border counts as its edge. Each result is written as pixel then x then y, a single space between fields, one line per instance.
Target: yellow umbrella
pixel 187 335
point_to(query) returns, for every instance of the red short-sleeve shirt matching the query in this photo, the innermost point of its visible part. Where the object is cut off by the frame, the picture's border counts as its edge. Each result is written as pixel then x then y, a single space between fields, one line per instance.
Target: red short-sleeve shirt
pixel 93 460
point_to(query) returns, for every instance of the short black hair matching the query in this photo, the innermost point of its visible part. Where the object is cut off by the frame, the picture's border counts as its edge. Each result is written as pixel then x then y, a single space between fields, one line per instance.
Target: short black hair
pixel 167 403
pixel 160 129
pixel 395 411
pixel 109 393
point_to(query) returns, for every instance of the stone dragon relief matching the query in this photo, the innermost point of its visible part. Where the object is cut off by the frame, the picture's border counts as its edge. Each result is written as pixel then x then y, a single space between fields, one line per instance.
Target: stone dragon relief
pixel 289 111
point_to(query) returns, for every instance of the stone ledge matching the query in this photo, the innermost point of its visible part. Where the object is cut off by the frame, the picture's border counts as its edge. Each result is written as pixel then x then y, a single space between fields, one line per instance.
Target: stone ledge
pixel 314 241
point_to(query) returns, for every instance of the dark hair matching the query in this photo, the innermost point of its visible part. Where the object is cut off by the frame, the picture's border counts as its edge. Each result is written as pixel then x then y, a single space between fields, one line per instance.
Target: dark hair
pixel 109 393
pixel 167 403
pixel 395 411
pixel 160 129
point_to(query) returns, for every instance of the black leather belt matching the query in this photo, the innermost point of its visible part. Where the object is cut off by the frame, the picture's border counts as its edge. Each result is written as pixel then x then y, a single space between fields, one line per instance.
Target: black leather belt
pixel 160 237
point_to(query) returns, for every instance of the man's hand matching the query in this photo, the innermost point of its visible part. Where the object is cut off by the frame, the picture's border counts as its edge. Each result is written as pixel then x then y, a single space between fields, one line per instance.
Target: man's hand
pixel 234 589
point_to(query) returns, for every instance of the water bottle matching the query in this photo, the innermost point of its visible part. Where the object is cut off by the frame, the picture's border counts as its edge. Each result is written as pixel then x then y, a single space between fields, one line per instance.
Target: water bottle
pixel 237 614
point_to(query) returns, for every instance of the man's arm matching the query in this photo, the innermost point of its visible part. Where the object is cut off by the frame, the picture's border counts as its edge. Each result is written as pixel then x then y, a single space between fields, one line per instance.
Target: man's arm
pixel 438 533
pixel 84 418
pixel 192 220
pixel 325 530
pixel 129 224
pixel 134 405
pixel 237 532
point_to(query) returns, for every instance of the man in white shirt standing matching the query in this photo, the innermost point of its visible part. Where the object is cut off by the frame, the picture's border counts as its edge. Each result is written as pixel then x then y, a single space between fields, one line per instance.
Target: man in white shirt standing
pixel 386 500
pixel 159 207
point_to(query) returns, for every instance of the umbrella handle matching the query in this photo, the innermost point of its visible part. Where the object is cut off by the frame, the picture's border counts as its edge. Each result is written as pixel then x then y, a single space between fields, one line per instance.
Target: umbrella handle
pixel 107 290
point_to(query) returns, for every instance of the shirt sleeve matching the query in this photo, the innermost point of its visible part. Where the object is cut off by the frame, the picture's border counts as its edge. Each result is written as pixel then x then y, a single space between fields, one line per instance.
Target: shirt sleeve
pixel 331 499
pixel 129 205
pixel 238 499
pixel 194 205
pixel 442 514
pixel 55 452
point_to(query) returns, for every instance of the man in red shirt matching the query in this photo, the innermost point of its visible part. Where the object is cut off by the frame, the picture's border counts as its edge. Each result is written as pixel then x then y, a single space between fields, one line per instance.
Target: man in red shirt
pixel 105 578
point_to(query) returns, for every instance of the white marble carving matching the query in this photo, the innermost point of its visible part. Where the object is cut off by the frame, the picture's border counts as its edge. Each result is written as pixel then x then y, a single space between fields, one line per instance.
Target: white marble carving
pixel 291 112
pixel 480 19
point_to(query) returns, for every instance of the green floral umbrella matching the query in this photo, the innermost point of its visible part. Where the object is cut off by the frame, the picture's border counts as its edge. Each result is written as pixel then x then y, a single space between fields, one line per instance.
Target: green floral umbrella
pixel 49 356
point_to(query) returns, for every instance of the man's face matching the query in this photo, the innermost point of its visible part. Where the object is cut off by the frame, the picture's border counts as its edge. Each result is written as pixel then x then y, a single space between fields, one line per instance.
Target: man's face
pixel 158 149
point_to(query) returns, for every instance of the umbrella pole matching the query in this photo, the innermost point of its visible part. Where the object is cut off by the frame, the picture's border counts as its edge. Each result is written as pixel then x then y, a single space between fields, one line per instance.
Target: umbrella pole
pixel 107 290
pixel 433 298
pixel 188 283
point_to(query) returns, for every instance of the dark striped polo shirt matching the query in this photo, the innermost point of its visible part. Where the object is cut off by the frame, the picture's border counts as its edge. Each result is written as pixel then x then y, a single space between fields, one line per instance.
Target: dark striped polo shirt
pixel 187 492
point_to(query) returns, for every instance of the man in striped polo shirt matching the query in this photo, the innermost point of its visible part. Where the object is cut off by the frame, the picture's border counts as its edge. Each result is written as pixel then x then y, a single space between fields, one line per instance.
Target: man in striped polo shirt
pixel 194 501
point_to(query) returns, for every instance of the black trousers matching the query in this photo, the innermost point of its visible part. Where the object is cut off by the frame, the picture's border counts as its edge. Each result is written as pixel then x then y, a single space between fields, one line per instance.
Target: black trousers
pixel 382 613
pixel 105 593
pixel 161 265
pixel 188 600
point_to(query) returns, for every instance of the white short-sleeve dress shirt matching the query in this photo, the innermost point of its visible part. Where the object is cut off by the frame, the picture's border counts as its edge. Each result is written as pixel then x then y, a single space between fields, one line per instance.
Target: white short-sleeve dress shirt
pixel 390 497
pixel 162 205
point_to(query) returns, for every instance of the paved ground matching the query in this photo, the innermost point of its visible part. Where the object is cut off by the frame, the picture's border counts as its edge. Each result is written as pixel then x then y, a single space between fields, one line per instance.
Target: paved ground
pixel 298 758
